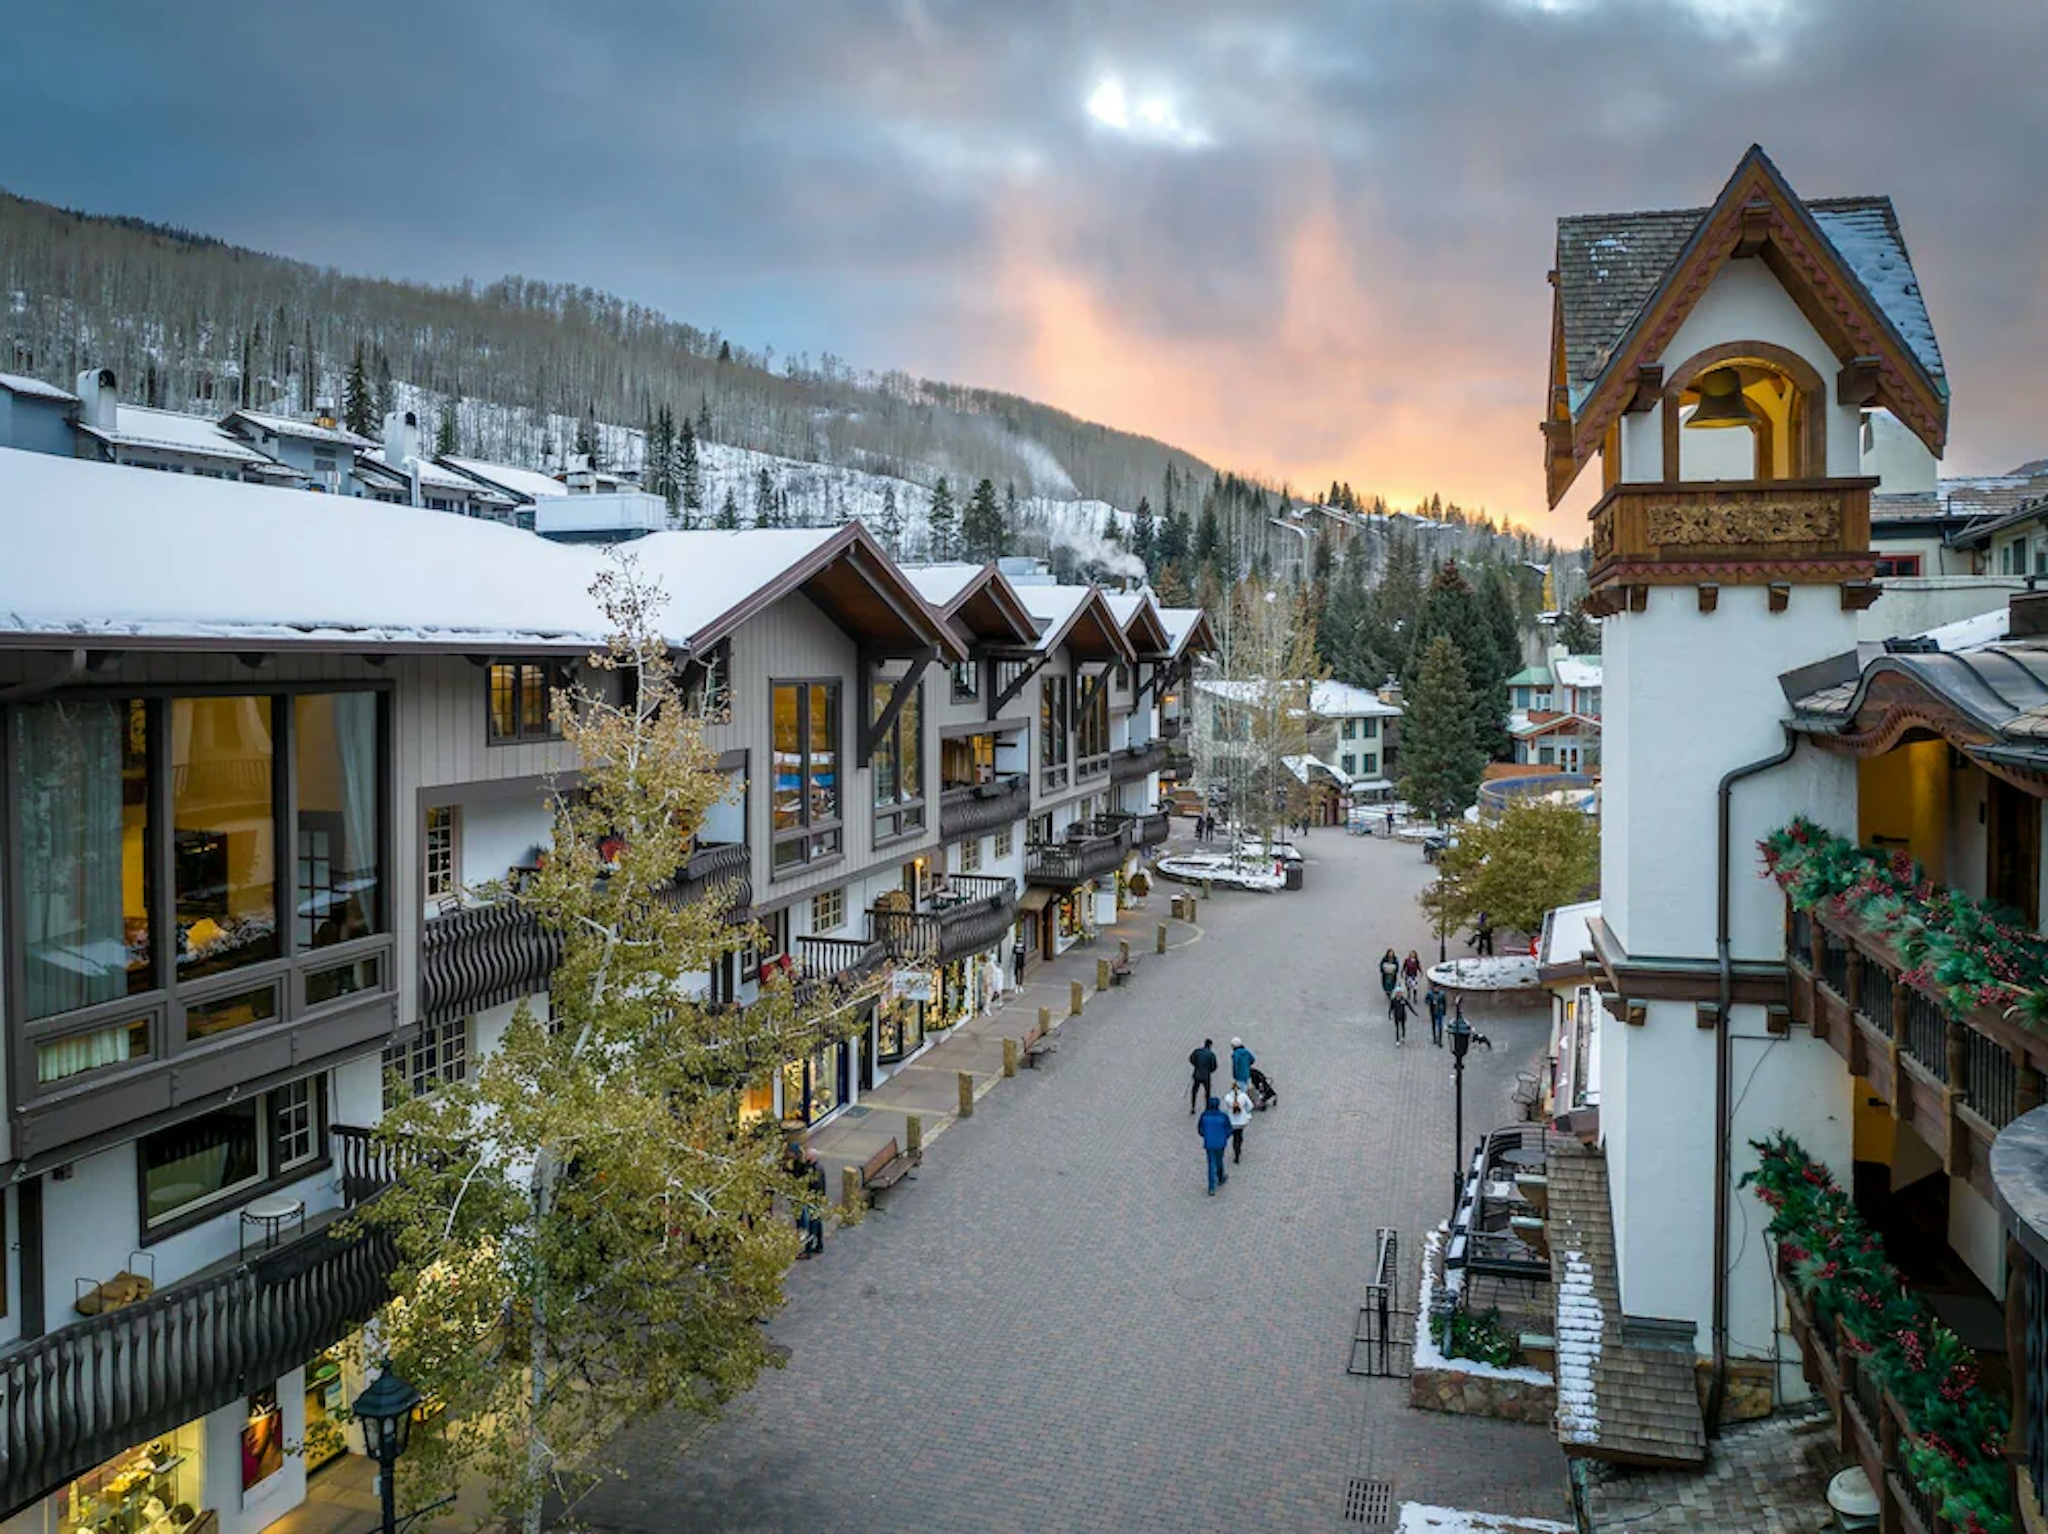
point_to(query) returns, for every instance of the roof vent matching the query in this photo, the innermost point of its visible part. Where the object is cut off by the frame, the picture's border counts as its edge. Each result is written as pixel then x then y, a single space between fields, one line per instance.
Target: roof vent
pixel 1912 644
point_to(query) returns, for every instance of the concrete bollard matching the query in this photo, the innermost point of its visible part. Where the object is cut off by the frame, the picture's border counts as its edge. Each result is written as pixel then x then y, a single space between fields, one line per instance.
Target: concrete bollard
pixel 966 1095
pixel 1208 888
pixel 1124 950
pixel 1102 974
pixel 913 1134
pixel 1073 998
pixel 849 1186
pixel 1009 1057
pixel 1044 1021
pixel 1162 937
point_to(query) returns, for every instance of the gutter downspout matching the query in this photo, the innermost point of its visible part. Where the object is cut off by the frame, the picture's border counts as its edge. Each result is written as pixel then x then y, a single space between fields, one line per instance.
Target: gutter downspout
pixel 1717 1392
pixel 28 692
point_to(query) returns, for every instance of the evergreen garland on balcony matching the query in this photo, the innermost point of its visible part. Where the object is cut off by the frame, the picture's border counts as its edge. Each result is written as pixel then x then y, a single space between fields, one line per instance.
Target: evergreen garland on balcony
pixel 1834 1262
pixel 1968 951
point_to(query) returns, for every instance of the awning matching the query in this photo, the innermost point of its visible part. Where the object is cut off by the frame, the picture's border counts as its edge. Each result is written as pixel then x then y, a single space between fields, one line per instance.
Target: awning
pixel 1035 899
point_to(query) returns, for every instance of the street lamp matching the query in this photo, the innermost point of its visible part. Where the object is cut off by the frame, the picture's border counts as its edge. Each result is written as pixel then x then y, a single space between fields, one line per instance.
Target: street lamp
pixel 1461 1044
pixel 385 1411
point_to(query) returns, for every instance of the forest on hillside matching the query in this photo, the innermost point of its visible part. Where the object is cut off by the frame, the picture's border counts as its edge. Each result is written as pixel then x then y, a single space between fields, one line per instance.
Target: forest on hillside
pixel 191 323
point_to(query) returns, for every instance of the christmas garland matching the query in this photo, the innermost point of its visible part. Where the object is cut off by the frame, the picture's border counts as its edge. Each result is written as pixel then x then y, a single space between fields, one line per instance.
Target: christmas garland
pixel 1836 1264
pixel 1968 951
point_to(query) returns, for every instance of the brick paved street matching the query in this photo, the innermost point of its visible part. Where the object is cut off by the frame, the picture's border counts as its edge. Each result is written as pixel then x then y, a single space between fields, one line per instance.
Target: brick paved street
pixel 1053 1327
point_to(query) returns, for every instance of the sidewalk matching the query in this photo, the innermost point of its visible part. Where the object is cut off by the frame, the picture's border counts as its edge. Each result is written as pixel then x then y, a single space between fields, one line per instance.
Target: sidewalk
pixel 929 1086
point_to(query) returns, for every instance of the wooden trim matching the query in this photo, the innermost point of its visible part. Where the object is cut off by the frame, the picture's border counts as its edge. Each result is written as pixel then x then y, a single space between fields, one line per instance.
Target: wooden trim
pixel 1812 422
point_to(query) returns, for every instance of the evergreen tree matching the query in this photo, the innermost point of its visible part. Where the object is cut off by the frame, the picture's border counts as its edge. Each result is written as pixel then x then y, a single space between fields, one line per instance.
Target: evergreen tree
pixel 446 441
pixel 764 499
pixel 1144 533
pixel 1579 634
pixel 586 438
pixel 1010 524
pixel 725 351
pixel 889 521
pixel 386 399
pixel 1172 545
pixel 355 397
pixel 1208 549
pixel 941 521
pixel 704 418
pixel 689 473
pixel 729 512
pixel 982 527
pixel 1453 610
pixel 1441 761
pixel 659 475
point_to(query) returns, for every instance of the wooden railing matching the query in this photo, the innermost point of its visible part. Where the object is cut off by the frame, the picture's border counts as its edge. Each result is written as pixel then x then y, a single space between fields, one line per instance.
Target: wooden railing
pixel 972 912
pixel 76 1397
pixel 1692 527
pixel 483 957
pixel 1135 762
pixel 984 807
pixel 1065 864
pixel 1957 1078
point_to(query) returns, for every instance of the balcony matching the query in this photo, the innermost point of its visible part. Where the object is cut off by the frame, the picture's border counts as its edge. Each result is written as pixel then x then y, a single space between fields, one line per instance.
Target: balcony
pixel 1169 729
pixel 1957 1078
pixel 979 808
pixel 1720 533
pixel 78 1396
pixel 720 869
pixel 1062 865
pixel 971 913
pixel 1135 762
pixel 828 965
pixel 483 956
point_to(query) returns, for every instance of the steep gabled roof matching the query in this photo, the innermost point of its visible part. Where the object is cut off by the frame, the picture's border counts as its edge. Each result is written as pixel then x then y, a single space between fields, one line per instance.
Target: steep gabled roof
pixel 977 600
pixel 1187 629
pixel 1143 627
pixel 1080 618
pixel 1627 281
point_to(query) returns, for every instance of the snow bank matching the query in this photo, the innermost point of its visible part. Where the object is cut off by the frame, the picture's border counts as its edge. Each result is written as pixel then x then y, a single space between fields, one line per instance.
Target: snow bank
pixel 1503 972
pixel 1427 1354
pixel 1580 1326
pixel 1421 1518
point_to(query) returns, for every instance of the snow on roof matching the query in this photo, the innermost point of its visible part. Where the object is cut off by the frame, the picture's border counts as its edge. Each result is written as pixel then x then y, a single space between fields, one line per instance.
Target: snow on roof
pixel 1866 233
pixel 1340 700
pixel 431 473
pixel 1568 932
pixel 940 584
pixel 1578 670
pixel 1053 607
pixel 310 431
pixel 181 557
pixel 533 484
pixel 140 426
pixel 35 388
pixel 1125 605
pixel 1972 633
pixel 1180 622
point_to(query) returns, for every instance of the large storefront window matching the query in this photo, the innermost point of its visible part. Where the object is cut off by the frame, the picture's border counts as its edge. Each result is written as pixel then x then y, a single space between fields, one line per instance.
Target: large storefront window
pixel 898 764
pixel 82 813
pixel 814 1087
pixel 334 748
pixel 146 1488
pixel 900 1016
pixel 223 815
pixel 805 800
pixel 1053 704
pixel 1091 728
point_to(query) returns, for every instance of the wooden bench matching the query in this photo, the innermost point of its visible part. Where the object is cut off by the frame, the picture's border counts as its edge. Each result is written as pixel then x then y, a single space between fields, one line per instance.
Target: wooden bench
pixel 886 1168
pixel 1039 1045
pixel 1122 968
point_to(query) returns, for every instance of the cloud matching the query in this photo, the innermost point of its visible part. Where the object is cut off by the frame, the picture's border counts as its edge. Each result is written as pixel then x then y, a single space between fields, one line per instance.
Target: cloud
pixel 1301 237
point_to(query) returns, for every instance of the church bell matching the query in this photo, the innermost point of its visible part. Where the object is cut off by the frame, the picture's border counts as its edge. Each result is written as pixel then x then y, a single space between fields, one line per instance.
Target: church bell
pixel 1721 401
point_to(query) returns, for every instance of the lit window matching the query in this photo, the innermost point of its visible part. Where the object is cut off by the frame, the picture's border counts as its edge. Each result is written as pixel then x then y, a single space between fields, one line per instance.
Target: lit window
pixel 898 765
pixel 521 702
pixel 438 1053
pixel 804 799
pixel 828 911
pixel 440 851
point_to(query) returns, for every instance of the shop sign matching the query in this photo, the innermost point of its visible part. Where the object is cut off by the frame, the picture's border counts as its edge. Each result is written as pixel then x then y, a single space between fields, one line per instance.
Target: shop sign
pixel 910 984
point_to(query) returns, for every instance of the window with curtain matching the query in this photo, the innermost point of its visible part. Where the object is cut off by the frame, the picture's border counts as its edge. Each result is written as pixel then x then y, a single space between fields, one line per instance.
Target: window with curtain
pixel 224 816
pixel 804 801
pixel 521 702
pixel 82 804
pixel 1053 704
pixel 898 765
pixel 334 748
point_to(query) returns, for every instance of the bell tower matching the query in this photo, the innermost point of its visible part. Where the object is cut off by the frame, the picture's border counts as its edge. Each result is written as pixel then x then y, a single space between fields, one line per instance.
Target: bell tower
pixel 1717 363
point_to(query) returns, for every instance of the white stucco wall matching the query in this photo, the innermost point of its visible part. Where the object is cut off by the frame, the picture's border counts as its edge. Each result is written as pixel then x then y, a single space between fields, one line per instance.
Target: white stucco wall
pixel 1914 604
pixel 1899 459
pixel 1642 447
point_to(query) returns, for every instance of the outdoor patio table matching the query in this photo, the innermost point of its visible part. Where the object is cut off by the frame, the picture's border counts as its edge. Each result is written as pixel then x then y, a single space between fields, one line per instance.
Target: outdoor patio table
pixel 271 1215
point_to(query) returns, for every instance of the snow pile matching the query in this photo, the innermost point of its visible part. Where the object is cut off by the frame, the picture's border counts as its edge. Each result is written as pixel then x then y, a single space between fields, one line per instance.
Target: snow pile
pixel 1198 867
pixel 1502 972
pixel 1427 1354
pixel 1420 1518
pixel 1580 1326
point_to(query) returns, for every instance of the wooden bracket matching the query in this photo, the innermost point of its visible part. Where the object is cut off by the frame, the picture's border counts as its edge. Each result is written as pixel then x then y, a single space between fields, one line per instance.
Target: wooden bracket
pixel 901 690
pixel 998 701
pixel 1781 595
pixel 1636 1013
pixel 1856 384
pixel 1756 229
pixel 1638 599
pixel 1858 595
pixel 1649 391
pixel 1777 1019
pixel 1706 1014
pixel 1710 596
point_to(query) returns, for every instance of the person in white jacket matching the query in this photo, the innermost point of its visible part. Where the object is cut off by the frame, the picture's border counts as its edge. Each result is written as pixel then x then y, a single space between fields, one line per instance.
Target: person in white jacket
pixel 1237 1105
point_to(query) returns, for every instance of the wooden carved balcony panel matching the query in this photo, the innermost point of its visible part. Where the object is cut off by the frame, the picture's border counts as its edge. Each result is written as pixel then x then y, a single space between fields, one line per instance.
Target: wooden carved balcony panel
pixel 1734 532
pixel 985 807
pixel 1135 762
pixel 483 957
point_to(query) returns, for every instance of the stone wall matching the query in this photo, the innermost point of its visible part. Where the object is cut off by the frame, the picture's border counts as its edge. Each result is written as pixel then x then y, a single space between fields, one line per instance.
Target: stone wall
pixel 1465 1394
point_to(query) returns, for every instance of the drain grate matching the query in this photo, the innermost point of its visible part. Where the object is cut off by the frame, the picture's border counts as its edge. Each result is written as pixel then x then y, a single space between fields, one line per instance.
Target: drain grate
pixel 1368 1501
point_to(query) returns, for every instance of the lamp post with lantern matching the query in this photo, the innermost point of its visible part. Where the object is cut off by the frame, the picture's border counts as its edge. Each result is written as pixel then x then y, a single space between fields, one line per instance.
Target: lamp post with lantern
pixel 1461 1044
pixel 385 1411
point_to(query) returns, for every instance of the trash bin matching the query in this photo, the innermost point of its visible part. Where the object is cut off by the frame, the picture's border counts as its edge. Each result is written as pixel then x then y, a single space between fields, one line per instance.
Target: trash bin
pixel 1294 875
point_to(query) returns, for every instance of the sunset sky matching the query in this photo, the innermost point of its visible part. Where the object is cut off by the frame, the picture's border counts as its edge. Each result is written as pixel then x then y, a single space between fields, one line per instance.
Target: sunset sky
pixel 1305 240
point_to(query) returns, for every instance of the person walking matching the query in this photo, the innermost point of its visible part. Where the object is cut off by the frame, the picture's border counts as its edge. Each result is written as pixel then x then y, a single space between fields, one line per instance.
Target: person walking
pixel 1204 1062
pixel 1390 822
pixel 1411 975
pixel 1237 1107
pixel 1482 936
pixel 1439 1003
pixel 1241 1062
pixel 1017 952
pixel 802 1163
pixel 1397 1009
pixel 1214 1128
pixel 1390 971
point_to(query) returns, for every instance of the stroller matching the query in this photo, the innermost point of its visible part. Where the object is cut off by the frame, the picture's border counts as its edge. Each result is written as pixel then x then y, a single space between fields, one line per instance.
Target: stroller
pixel 1263 1095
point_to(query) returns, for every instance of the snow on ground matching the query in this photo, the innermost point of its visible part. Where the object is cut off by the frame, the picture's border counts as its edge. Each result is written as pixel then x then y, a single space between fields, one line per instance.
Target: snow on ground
pixel 1420 1518
pixel 1427 1354
pixel 1502 972
pixel 1580 1323
pixel 1196 867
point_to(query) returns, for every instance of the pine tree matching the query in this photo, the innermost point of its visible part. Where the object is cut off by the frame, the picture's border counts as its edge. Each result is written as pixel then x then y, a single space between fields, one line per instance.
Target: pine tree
pixel 355 397
pixel 1441 761
pixel 729 513
pixel 586 437
pixel 1579 634
pixel 725 351
pixel 764 498
pixel 446 440
pixel 889 521
pixel 982 527
pixel 1171 548
pixel 386 399
pixel 703 418
pixel 941 521
pixel 689 473
pixel 1144 534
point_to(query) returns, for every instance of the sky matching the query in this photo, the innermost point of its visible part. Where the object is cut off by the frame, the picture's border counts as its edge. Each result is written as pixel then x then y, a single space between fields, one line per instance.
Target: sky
pixel 1304 239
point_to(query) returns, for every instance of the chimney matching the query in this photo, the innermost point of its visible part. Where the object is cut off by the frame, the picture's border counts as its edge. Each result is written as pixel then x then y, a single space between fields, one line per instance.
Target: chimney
pixel 96 398
pixel 402 448
pixel 323 413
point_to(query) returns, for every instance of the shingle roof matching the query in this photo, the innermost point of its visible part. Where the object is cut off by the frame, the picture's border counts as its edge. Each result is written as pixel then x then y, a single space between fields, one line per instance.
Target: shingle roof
pixel 292 426
pixel 35 388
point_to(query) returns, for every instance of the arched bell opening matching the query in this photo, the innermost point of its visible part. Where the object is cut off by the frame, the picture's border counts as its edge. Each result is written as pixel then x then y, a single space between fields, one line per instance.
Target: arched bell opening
pixel 1745 411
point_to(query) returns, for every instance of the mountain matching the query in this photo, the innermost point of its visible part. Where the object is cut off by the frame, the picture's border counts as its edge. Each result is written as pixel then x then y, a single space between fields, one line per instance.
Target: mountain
pixel 192 323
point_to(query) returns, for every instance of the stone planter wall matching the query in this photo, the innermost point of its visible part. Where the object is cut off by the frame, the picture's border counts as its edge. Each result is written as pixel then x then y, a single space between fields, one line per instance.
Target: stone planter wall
pixel 1464 1394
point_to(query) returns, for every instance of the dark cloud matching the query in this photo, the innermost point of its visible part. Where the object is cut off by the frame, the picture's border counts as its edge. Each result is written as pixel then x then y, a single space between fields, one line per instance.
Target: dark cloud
pixel 1316 247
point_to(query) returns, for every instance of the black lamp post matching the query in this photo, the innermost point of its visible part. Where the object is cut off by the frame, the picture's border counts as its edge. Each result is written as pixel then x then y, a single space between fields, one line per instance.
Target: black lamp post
pixel 385 1411
pixel 1461 1044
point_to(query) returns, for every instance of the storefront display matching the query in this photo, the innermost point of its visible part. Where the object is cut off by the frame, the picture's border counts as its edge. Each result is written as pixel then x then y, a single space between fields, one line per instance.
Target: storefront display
pixel 813 1088
pixel 154 1488
pixel 956 996
pixel 1074 918
pixel 326 1410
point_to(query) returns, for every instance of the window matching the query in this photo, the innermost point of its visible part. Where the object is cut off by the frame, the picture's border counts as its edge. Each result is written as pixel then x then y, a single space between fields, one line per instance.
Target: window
pixel 1053 704
pixel 232 1150
pixel 1006 840
pixel 442 823
pixel 774 943
pixel 970 855
pixel 1350 764
pixel 81 797
pixel 1898 564
pixel 804 806
pixel 1351 729
pixel 244 1009
pixel 223 815
pixel 521 702
pixel 1368 729
pixel 1091 725
pixel 898 765
pixel 828 911
pixel 415 1068
pixel 1369 764
pixel 334 751
pixel 966 681
pixel 61 1059
pixel 323 460
pixel 1039 833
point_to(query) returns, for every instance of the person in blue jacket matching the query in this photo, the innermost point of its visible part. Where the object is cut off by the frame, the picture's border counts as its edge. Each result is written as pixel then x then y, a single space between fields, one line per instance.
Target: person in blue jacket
pixel 1241 1062
pixel 1214 1128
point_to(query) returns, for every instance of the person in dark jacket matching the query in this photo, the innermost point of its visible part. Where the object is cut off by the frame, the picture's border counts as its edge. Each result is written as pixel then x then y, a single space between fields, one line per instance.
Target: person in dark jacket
pixel 1241 1062
pixel 1214 1128
pixel 1390 971
pixel 1439 1004
pixel 1204 1062
pixel 1397 1009
pixel 1017 952
pixel 802 1163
